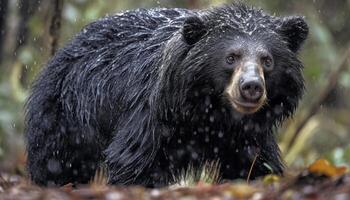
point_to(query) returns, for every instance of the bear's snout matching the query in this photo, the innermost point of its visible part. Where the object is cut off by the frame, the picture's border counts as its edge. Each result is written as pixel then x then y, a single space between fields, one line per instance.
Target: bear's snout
pixel 246 91
pixel 251 83
pixel 251 89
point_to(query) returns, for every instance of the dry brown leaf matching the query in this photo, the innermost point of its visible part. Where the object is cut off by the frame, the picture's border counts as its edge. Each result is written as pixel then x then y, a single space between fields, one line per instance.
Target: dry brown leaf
pixel 323 167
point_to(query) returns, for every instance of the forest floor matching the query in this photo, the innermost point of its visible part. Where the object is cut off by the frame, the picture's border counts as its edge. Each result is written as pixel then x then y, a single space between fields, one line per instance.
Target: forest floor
pixel 320 180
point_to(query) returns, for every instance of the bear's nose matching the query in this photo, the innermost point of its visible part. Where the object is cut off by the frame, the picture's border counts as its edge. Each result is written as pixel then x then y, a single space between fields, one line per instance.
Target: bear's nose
pixel 251 89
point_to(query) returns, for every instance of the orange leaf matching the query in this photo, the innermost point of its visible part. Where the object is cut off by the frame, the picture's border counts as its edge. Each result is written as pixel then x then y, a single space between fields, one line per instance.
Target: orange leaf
pixel 323 167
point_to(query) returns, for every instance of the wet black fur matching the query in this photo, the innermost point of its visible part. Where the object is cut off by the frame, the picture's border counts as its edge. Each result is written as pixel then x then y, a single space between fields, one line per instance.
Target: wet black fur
pixel 142 92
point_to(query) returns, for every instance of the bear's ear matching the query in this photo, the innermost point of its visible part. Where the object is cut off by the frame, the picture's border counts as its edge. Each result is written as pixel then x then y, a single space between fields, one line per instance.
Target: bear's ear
pixel 193 29
pixel 294 30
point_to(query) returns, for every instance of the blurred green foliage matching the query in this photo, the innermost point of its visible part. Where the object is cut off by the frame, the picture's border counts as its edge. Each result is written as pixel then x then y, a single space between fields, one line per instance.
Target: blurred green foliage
pixel 328 136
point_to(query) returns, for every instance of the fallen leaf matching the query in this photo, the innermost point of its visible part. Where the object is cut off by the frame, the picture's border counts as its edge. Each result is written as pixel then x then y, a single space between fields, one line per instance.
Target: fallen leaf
pixel 241 190
pixel 270 179
pixel 323 167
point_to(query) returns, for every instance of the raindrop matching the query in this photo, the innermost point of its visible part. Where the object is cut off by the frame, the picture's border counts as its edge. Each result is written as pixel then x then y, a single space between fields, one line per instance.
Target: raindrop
pixel 194 155
pixel 54 166
pixel 69 165
pixel 211 118
pixel 216 150
pixel 221 134
pixel 241 173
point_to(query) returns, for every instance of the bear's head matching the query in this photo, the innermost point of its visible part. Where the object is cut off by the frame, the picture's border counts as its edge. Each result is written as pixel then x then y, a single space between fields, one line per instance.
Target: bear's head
pixel 246 57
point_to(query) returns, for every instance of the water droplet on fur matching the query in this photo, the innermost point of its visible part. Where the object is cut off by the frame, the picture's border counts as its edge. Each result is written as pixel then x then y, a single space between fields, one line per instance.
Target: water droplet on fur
pixel 77 140
pixel 216 149
pixel 194 155
pixel 171 158
pixel 54 166
pixel 241 173
pixel 220 134
pixel 211 118
pixel 257 127
pixel 69 165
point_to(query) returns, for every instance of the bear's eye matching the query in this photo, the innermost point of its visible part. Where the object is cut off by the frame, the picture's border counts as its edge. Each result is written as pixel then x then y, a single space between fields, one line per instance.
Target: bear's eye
pixel 267 62
pixel 232 59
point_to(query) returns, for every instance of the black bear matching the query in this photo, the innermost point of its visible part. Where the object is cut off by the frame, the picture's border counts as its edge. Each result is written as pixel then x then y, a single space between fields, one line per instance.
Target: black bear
pixel 151 91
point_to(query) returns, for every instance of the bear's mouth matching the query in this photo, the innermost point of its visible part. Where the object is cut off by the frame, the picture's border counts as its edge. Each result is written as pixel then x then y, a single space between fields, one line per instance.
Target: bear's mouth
pixel 246 104
pixel 246 107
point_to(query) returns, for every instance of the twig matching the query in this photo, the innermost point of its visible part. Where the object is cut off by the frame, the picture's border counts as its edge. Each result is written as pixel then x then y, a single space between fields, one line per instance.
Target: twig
pixel 315 106
pixel 251 167
pixel 55 24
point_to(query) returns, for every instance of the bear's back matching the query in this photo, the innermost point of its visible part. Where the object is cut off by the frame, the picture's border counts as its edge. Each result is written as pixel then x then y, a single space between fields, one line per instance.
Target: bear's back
pixel 108 61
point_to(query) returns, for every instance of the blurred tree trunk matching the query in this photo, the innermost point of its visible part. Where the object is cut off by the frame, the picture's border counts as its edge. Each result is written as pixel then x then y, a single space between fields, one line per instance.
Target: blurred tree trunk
pixel 3 14
pixel 26 9
pixel 55 25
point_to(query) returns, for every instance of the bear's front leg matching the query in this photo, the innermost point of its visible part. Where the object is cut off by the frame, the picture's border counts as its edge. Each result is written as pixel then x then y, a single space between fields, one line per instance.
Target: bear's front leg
pixel 132 155
pixel 256 156
pixel 267 156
